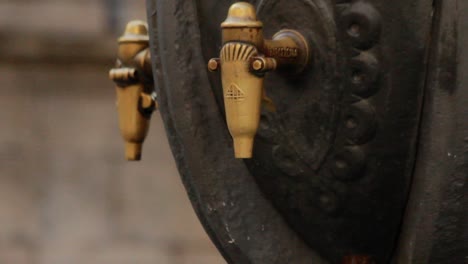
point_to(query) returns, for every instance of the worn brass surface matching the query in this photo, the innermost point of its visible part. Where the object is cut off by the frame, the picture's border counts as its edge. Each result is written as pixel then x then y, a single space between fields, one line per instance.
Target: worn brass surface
pixel 244 59
pixel 136 100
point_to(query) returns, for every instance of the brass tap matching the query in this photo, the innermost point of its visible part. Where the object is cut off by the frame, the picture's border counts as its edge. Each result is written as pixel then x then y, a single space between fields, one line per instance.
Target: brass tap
pixel 244 59
pixel 136 99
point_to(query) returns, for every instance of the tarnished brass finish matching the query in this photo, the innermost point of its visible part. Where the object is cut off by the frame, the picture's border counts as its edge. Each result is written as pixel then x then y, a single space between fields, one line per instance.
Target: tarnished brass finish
pixel 244 59
pixel 136 100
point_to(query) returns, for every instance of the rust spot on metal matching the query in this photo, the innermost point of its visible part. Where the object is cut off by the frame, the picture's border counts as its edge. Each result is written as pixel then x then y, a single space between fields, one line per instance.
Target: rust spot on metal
pixel 358 259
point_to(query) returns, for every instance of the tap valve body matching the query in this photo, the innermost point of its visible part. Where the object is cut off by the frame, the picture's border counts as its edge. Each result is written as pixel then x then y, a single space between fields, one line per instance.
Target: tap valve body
pixel 244 59
pixel 136 99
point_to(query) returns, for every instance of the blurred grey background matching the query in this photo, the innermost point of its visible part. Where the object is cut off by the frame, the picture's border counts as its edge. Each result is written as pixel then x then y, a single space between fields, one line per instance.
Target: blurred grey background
pixel 66 194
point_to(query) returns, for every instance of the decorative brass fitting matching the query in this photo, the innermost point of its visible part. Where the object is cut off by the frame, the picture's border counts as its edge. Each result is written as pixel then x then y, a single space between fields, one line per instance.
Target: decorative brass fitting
pixel 244 59
pixel 136 99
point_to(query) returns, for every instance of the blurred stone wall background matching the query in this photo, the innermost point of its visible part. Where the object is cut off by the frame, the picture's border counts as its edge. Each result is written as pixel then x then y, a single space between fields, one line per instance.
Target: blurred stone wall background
pixel 66 194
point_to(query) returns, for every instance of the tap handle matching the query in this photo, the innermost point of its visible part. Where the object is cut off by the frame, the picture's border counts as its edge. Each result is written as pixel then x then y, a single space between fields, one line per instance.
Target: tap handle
pixel 244 60
pixel 136 100
pixel 261 64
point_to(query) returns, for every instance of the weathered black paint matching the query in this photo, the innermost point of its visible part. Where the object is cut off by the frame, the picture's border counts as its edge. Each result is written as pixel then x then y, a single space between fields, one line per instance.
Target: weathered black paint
pixel 332 169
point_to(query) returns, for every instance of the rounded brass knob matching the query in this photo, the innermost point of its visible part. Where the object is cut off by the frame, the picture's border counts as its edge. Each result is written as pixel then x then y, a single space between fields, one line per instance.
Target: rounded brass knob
pixel 213 65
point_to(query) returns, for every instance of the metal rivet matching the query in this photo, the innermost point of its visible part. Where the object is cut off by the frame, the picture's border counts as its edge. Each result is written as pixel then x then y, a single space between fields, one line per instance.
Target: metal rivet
pixel 354 30
pixel 213 64
pixel 362 25
pixel 351 122
pixel 257 65
pixel 328 202
pixel 364 75
pixel 349 163
pixel 360 122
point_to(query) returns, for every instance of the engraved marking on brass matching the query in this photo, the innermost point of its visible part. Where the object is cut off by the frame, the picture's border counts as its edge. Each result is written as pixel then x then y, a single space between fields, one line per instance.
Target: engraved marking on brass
pixel 283 52
pixel 234 93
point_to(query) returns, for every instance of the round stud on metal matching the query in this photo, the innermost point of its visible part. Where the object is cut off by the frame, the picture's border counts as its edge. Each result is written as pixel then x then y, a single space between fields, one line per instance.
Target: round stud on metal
pixel 265 130
pixel 362 25
pixel 328 202
pixel 360 123
pixel 262 64
pixel 348 164
pixel 286 161
pixel 364 74
pixel 258 65
pixel 213 65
